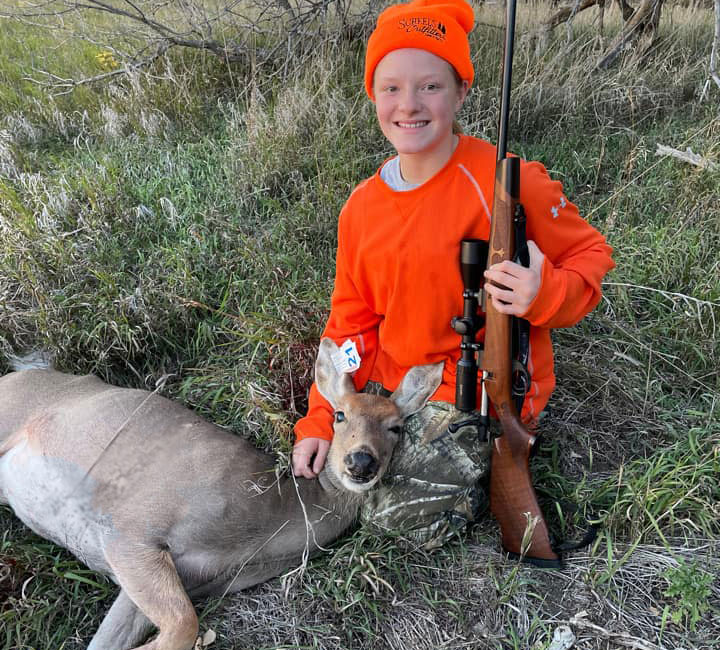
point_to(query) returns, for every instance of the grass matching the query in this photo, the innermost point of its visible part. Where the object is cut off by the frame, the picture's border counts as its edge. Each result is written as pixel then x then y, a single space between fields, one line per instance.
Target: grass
pixel 179 226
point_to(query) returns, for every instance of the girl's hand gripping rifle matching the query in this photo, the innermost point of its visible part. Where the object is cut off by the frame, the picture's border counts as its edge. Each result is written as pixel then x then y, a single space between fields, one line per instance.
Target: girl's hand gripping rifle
pixel 512 498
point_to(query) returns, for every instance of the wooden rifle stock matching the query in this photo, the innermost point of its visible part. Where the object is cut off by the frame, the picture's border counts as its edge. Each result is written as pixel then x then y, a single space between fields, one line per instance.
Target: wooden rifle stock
pixel 512 497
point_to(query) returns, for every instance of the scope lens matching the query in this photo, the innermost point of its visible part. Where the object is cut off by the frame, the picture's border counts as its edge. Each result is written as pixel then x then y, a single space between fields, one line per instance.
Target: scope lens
pixel 473 251
pixel 473 258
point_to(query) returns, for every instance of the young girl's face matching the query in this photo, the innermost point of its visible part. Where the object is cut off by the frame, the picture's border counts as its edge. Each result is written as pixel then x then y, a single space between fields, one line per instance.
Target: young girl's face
pixel 416 98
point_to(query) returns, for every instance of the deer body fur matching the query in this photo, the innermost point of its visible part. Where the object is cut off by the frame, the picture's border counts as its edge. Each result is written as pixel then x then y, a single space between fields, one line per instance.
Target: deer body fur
pixel 172 507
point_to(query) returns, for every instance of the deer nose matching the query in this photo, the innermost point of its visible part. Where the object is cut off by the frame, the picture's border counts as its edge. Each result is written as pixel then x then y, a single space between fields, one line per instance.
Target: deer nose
pixel 361 465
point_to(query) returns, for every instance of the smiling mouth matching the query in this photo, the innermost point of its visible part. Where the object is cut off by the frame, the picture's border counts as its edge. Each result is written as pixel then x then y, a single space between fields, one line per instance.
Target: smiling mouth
pixel 412 125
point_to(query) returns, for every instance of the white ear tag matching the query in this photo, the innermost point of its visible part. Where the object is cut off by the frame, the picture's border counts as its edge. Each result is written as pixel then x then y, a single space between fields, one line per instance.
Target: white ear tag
pixel 346 359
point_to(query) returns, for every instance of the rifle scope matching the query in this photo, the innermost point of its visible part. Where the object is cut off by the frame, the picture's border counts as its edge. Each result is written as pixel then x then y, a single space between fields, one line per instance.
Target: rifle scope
pixel 473 258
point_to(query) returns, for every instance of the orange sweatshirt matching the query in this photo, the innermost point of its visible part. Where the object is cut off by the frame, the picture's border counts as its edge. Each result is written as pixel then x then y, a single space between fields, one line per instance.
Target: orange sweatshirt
pixel 398 283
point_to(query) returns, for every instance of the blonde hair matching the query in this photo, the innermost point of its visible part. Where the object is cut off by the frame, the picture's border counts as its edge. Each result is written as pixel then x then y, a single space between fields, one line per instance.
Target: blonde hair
pixel 456 128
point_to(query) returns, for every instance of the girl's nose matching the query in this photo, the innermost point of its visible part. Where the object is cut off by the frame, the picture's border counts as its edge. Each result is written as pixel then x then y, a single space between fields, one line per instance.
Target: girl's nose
pixel 409 101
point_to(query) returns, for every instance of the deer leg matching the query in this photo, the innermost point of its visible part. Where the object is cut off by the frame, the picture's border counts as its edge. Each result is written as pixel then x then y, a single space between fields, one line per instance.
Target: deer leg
pixel 124 626
pixel 149 578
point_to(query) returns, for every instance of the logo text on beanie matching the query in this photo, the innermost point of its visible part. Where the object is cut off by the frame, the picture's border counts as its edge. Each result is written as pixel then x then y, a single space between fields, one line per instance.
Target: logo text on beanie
pixel 427 26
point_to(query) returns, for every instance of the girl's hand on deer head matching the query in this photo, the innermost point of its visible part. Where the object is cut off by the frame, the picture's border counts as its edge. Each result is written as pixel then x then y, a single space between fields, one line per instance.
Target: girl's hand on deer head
pixel 308 456
pixel 520 285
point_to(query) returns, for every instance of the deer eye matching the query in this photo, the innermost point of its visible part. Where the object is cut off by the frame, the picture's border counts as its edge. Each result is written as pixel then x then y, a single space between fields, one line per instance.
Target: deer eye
pixel 339 416
pixel 396 429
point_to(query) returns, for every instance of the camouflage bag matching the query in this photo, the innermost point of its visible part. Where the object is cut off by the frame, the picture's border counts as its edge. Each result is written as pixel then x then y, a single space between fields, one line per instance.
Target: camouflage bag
pixel 431 490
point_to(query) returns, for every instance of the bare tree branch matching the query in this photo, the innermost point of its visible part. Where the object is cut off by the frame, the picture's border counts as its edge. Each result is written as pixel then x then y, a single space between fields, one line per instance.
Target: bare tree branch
pixel 644 22
pixel 638 32
pixel 567 13
pixel 714 53
pixel 230 30
pixel 60 86
pixel 687 156
pixel 627 10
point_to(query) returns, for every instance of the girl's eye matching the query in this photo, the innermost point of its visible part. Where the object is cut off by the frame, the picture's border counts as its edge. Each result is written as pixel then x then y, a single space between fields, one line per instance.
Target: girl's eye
pixel 395 430
pixel 339 416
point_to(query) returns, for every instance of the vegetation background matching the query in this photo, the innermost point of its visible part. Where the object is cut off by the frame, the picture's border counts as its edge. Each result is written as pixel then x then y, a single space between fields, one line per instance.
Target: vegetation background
pixel 174 227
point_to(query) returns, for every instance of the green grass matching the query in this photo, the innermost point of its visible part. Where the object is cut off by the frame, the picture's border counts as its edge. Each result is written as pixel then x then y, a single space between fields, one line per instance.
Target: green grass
pixel 180 224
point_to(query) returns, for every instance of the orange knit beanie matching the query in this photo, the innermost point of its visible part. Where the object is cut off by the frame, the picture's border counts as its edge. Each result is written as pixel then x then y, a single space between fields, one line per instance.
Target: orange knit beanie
pixel 438 26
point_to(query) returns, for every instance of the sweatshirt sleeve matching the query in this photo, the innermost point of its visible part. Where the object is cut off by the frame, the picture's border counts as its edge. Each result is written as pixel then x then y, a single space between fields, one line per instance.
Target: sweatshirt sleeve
pixel 576 255
pixel 350 318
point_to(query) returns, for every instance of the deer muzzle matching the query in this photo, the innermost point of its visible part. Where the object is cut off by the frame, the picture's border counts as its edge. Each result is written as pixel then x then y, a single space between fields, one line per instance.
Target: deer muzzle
pixel 361 465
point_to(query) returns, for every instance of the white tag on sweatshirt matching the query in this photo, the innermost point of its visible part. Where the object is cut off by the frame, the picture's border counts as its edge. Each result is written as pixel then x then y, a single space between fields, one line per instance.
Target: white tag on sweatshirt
pixel 347 359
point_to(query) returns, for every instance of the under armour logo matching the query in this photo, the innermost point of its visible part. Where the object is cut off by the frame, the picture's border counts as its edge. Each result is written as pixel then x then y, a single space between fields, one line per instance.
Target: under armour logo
pixel 556 208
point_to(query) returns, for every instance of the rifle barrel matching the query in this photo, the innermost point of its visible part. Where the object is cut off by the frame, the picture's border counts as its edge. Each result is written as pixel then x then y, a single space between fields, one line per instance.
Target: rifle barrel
pixel 507 80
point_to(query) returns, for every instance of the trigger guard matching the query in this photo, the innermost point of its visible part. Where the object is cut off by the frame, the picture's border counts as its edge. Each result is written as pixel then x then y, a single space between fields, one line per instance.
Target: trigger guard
pixel 520 379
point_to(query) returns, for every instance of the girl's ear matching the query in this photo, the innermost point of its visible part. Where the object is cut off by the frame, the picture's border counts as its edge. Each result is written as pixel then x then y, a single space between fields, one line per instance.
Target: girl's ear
pixel 463 89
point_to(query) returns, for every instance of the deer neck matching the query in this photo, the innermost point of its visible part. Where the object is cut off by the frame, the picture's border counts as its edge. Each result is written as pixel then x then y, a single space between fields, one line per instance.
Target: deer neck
pixel 332 507
pixel 328 492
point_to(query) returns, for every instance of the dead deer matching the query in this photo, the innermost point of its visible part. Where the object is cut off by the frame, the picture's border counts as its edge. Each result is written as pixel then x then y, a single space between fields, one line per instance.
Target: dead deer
pixel 172 507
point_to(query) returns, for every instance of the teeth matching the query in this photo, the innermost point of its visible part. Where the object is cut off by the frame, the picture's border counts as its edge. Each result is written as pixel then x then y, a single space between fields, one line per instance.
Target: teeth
pixel 411 125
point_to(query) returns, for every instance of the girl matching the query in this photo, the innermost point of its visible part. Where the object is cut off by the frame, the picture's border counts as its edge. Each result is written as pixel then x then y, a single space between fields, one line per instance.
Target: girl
pixel 398 283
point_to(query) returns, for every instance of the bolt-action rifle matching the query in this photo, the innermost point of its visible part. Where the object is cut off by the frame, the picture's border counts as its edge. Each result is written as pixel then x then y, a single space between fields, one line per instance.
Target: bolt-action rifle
pixel 512 497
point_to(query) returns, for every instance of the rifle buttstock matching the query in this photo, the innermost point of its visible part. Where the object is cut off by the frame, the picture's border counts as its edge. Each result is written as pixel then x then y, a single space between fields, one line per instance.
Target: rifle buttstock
pixel 513 501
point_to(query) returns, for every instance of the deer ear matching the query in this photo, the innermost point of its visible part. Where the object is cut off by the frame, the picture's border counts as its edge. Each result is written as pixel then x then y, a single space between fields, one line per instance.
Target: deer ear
pixel 417 386
pixel 332 384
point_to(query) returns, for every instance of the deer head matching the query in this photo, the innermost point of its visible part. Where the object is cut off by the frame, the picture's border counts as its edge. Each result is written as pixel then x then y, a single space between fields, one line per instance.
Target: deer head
pixel 367 427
